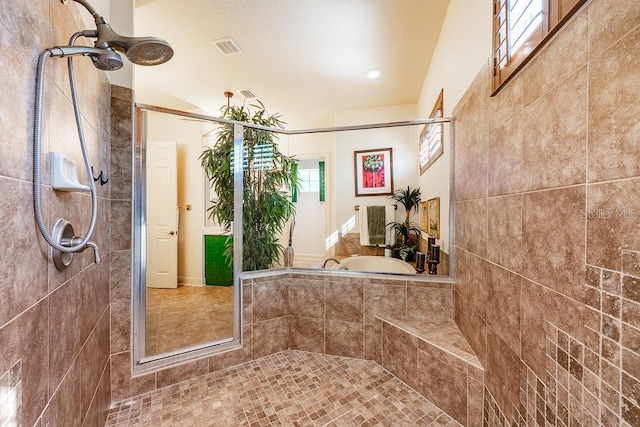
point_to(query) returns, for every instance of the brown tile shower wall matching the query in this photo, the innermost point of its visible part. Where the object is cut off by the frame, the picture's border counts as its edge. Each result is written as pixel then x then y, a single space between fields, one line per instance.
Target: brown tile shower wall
pixel 121 262
pixel 54 327
pixel 547 230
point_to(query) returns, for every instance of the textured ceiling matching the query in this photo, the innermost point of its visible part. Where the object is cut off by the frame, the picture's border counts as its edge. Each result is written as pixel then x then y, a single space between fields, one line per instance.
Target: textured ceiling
pixel 305 59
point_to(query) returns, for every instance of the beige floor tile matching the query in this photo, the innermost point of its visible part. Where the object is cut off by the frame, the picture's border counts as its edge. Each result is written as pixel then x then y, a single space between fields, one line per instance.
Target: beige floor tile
pixel 186 316
pixel 291 388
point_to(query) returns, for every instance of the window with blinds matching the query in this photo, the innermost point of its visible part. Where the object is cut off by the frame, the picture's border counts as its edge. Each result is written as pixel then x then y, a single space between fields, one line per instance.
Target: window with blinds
pixel 431 140
pixel 520 28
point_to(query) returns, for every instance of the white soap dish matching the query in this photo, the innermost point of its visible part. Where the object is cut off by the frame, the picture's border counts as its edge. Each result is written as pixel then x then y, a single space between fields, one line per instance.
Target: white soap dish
pixel 65 174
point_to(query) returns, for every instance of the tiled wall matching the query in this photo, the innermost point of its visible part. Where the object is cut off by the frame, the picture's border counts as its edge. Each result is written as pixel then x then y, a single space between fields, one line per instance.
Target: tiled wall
pixel 335 314
pixel 54 326
pixel 121 267
pixel 547 184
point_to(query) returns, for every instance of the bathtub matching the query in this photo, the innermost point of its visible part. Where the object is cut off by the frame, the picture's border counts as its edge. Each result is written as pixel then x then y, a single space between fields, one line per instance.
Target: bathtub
pixel 375 264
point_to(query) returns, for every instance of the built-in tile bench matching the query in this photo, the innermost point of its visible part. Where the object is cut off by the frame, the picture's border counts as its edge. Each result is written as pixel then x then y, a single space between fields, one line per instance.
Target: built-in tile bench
pixel 435 359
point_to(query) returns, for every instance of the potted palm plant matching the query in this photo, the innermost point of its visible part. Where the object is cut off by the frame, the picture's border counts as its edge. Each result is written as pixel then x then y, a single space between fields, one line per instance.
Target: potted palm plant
pixel 269 178
pixel 407 233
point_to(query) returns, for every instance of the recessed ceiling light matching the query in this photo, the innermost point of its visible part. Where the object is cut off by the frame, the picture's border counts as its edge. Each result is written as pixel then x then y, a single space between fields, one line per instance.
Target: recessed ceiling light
pixel 374 74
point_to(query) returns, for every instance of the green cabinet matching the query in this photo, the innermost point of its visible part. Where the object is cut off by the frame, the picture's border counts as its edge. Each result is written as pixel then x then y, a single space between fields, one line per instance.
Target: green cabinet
pixel 216 269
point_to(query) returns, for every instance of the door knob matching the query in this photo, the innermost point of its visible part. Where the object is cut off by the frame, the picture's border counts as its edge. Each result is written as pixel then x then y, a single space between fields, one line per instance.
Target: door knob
pixel 171 233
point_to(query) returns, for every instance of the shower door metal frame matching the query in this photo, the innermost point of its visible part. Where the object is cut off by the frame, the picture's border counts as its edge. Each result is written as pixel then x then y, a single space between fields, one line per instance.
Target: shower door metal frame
pixel 142 363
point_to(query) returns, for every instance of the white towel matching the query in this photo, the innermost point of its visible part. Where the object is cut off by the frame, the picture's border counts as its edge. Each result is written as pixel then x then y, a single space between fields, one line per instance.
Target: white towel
pixel 364 226
pixel 389 216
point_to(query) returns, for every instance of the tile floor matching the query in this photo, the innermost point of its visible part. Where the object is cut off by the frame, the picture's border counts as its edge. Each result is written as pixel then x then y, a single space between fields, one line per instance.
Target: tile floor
pixel 187 315
pixel 291 388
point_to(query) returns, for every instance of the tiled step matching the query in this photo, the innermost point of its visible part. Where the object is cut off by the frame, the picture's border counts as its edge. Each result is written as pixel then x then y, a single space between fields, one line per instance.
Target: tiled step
pixel 435 359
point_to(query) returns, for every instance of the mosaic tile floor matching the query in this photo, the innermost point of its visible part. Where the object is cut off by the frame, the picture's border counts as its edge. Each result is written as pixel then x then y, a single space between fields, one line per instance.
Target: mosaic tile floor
pixel 292 388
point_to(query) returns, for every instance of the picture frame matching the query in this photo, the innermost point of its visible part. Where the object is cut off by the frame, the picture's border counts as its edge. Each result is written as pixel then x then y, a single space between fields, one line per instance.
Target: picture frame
pixel 424 217
pixel 433 217
pixel 373 171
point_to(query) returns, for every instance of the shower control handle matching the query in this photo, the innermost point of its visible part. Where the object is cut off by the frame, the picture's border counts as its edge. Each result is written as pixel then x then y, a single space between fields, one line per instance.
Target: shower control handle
pixel 63 235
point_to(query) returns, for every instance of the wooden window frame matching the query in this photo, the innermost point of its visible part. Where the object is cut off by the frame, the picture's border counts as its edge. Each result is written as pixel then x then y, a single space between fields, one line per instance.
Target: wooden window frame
pixel 438 107
pixel 555 13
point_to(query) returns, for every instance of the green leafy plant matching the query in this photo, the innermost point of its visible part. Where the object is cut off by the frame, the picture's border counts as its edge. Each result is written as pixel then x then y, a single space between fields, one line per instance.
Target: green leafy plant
pixel 408 198
pixel 269 177
pixel 407 233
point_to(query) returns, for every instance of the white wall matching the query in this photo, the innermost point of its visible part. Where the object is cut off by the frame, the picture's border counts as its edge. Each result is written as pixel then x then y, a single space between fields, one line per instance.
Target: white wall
pixel 405 156
pixel 458 57
pixel 119 14
pixel 191 188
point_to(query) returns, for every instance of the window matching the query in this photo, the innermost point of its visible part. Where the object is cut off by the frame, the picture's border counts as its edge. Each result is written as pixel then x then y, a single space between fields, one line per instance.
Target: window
pixel 520 28
pixel 430 145
pixel 309 180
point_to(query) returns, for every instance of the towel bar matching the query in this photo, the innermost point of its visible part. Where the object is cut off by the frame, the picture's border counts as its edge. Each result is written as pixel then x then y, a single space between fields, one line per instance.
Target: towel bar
pixel 357 207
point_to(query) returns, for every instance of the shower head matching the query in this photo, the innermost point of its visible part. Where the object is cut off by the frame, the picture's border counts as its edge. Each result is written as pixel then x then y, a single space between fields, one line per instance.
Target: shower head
pixel 139 50
pixel 105 59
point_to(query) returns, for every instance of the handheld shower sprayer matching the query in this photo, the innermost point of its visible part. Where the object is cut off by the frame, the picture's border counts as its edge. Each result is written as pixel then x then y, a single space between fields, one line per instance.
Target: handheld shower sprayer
pixel 105 56
pixel 104 59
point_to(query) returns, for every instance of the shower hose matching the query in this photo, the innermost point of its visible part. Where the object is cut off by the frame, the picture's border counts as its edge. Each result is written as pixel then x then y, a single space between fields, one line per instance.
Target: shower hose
pixel 37 149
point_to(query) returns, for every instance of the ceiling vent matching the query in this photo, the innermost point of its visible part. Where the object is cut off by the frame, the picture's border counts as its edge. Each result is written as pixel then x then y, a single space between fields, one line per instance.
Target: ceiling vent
pixel 247 93
pixel 228 46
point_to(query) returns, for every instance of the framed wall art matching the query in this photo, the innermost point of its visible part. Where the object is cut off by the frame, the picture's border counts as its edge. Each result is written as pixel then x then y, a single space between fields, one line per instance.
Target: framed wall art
pixel 424 217
pixel 374 172
pixel 433 221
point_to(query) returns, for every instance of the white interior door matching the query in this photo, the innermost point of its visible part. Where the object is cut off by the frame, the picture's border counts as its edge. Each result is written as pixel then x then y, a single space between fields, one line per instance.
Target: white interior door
pixel 162 215
pixel 310 232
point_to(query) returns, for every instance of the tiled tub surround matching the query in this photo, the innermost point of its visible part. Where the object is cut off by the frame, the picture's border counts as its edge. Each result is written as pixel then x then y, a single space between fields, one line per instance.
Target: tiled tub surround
pixel 548 230
pixel 53 325
pixel 340 314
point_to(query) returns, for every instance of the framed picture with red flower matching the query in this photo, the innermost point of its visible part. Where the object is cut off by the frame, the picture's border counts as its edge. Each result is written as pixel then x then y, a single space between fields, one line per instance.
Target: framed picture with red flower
pixel 374 172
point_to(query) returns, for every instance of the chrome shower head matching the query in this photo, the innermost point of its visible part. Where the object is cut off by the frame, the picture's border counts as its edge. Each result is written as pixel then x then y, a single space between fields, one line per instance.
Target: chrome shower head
pixel 139 50
pixel 108 61
pixel 103 59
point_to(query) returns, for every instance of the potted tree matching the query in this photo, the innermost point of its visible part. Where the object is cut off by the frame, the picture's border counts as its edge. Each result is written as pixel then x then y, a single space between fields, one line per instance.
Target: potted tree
pixel 269 178
pixel 407 233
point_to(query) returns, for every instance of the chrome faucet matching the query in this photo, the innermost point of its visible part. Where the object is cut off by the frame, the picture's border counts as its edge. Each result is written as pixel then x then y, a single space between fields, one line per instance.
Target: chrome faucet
pixel 75 240
pixel 324 265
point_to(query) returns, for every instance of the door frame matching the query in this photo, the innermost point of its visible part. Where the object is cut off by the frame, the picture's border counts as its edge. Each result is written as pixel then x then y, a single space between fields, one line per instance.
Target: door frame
pixel 328 181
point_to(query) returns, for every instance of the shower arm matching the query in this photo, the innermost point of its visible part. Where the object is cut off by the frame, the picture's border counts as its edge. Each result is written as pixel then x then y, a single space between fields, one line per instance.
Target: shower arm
pixel 90 8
